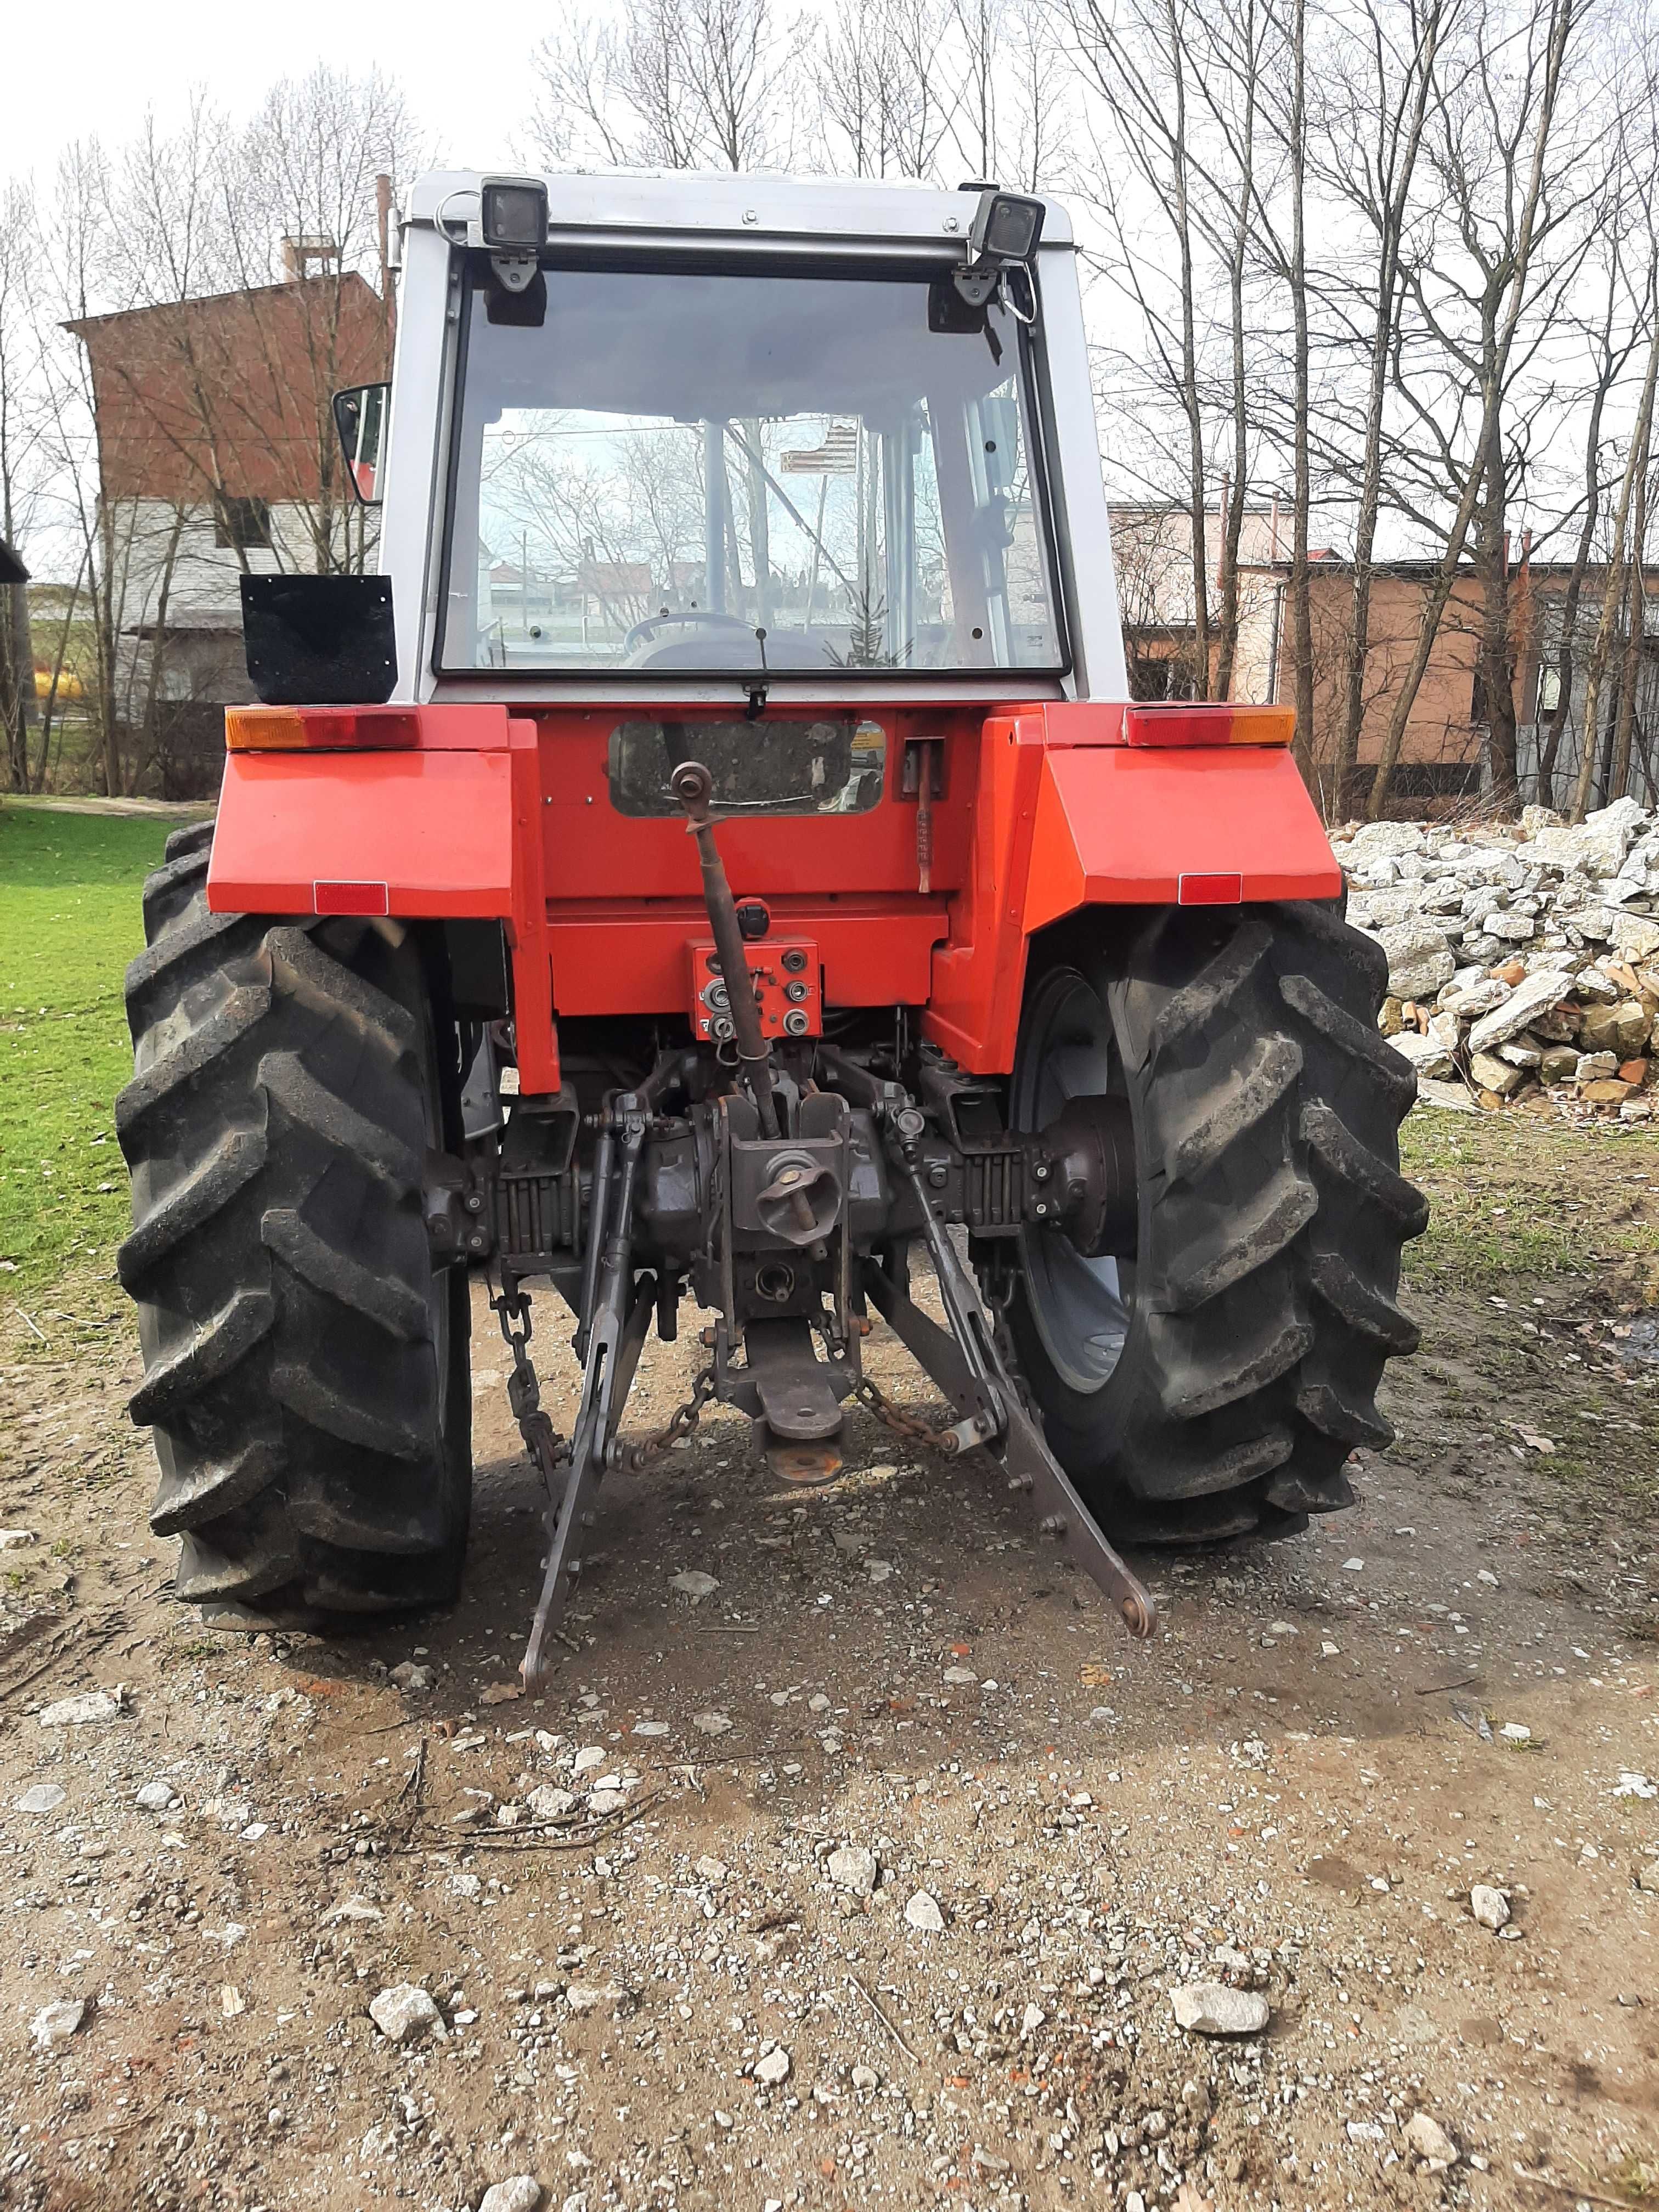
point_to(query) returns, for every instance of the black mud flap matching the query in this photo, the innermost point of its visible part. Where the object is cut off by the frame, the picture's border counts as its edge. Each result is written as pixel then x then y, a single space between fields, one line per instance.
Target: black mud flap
pixel 320 640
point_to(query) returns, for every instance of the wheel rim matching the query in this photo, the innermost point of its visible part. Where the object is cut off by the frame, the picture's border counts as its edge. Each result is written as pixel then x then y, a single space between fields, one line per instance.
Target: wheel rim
pixel 1082 1308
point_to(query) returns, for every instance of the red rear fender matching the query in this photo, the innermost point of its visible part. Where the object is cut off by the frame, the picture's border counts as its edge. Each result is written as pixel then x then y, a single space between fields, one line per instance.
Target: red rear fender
pixel 1077 819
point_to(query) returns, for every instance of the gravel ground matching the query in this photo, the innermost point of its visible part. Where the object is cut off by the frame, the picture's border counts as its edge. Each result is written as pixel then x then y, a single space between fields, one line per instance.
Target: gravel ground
pixel 869 1865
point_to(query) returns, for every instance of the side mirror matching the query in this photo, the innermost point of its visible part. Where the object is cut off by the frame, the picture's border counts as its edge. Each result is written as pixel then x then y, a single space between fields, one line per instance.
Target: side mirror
pixel 360 418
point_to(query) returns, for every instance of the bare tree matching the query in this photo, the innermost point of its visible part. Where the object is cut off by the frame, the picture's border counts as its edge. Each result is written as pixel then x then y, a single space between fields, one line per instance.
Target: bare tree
pixel 307 172
pixel 618 92
pixel 1246 164
pixel 83 272
pixel 1035 139
pixel 1227 78
pixel 1635 623
pixel 877 72
pixel 1135 67
pixel 1607 346
pixel 1296 143
pixel 1248 49
pixel 19 457
pixel 1380 78
pixel 676 84
pixel 291 196
pixel 1496 146
pixel 1623 552
pixel 206 411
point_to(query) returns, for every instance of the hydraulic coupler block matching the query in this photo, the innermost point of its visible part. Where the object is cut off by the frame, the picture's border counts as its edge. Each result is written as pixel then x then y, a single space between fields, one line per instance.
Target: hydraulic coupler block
pixel 786 983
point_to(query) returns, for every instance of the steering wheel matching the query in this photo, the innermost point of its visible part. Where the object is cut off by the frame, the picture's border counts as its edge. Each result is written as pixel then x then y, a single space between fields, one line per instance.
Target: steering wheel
pixel 643 632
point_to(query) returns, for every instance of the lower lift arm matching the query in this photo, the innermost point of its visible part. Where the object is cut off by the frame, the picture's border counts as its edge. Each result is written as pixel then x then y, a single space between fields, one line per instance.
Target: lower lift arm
pixel 968 1367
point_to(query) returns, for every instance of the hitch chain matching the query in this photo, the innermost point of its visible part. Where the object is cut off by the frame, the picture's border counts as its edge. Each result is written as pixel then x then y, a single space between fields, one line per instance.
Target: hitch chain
pixel 869 1393
pixel 998 1290
pixel 546 1446
pixel 641 1457
pixel 550 1452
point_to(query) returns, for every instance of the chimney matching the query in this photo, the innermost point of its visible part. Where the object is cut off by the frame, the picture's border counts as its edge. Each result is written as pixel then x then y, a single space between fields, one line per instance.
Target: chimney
pixel 299 251
pixel 383 224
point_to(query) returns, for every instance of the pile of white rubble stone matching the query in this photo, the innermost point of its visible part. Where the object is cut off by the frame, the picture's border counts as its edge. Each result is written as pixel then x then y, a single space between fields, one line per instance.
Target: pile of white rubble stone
pixel 1523 958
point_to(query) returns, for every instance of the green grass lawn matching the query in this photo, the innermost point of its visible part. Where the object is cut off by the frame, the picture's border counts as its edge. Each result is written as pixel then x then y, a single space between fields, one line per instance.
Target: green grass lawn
pixel 1516 1199
pixel 69 921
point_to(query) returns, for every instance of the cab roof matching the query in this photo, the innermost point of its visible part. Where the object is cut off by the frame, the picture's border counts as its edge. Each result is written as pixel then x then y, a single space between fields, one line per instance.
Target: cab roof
pixel 719 203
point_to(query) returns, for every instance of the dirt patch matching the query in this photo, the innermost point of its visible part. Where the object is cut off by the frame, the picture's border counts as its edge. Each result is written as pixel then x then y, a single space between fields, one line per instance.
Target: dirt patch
pixel 680 1998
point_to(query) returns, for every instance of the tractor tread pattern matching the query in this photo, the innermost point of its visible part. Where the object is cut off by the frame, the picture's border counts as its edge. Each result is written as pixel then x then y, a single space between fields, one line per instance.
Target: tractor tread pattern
pixel 275 1128
pixel 1349 1158
pixel 194 837
pixel 1224 1253
pixel 235 1161
pixel 261 1557
pixel 1248 1364
pixel 1209 995
pixel 290 1086
pixel 1203 1471
pixel 214 1486
pixel 1363 1040
pixel 337 1413
pixel 1273 1213
pixel 328 987
pixel 210 1351
pixel 170 889
pixel 1271 1066
pixel 1353 1422
pixel 1363 1308
pixel 195 943
pixel 399 1310
pixel 154 1088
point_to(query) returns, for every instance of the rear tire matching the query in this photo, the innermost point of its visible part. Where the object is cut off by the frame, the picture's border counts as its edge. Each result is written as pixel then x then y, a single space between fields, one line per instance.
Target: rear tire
pixel 1259 1306
pixel 306 1370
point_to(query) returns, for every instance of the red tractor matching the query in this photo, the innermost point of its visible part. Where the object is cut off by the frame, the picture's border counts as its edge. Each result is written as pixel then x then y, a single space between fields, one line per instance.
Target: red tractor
pixel 719 856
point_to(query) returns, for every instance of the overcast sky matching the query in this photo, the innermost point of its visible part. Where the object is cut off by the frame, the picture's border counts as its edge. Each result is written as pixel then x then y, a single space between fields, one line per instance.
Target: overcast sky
pixel 468 91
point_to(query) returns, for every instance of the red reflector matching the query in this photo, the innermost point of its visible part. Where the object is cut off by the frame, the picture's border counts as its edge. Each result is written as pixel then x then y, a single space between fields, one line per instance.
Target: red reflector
pixel 1204 890
pixel 351 898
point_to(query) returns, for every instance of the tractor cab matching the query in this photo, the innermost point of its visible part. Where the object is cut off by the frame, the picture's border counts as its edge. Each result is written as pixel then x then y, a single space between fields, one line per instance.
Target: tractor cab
pixel 705 408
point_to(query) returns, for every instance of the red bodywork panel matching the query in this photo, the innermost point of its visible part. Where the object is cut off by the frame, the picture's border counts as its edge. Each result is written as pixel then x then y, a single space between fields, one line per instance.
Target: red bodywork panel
pixel 1124 829
pixel 1043 809
pixel 436 828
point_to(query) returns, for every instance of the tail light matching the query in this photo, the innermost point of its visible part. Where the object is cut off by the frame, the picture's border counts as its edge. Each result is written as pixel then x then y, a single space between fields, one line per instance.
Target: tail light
pixel 320 729
pixel 1208 722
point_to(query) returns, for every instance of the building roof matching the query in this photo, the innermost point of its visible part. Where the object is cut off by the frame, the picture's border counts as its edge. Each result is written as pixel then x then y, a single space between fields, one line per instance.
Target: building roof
pixel 192 621
pixel 206 303
pixel 1426 571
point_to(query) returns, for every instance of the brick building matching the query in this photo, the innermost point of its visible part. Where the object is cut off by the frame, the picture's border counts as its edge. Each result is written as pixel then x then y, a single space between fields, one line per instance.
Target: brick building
pixel 1443 757
pixel 217 454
